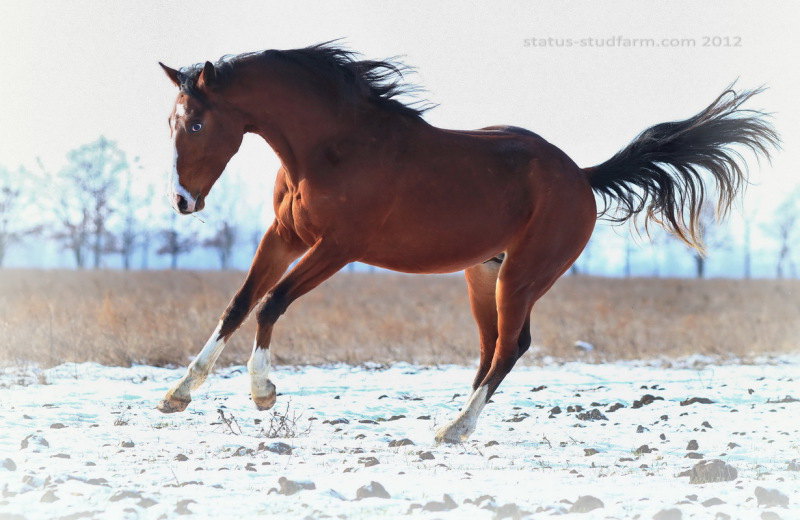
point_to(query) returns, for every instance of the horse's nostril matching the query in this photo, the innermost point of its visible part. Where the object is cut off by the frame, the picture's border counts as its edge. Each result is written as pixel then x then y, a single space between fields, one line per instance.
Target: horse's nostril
pixel 181 203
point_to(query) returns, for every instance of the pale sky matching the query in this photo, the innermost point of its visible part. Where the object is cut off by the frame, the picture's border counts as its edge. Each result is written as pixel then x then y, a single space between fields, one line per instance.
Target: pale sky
pixel 74 70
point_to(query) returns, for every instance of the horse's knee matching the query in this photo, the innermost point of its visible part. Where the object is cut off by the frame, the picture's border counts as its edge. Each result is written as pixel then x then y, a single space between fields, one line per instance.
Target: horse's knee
pixel 235 314
pixel 273 307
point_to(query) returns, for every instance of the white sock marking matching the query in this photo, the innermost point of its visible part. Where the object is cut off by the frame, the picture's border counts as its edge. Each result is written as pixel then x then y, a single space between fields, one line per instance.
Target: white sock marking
pixel 258 366
pixel 465 422
pixel 201 366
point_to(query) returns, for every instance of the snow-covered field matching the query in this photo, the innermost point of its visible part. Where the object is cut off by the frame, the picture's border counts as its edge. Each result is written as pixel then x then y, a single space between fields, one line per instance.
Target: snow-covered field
pixel 84 441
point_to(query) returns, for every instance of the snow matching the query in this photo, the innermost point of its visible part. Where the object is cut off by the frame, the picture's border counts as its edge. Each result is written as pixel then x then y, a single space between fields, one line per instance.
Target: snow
pixel 98 446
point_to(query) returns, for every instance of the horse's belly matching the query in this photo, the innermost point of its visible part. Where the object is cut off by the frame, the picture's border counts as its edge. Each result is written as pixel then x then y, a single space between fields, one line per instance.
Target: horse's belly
pixel 432 247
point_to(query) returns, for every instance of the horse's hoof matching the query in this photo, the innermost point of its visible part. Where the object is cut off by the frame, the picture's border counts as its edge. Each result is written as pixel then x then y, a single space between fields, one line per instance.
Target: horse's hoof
pixel 268 397
pixel 265 403
pixel 447 435
pixel 172 405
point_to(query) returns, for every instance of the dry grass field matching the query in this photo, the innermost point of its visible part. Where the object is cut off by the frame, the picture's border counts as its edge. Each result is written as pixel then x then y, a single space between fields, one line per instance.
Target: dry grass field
pixel 164 317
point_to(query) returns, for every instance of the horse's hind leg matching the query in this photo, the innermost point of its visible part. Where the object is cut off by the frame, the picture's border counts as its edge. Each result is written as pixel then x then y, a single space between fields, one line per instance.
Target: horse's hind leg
pixel 275 252
pixel 481 286
pixel 481 282
pixel 529 270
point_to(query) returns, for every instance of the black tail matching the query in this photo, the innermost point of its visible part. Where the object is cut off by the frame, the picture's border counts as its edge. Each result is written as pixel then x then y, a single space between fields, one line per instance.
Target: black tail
pixel 661 171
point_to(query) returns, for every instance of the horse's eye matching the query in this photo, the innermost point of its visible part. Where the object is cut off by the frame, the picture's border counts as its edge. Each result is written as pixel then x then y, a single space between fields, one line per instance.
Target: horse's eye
pixel 196 127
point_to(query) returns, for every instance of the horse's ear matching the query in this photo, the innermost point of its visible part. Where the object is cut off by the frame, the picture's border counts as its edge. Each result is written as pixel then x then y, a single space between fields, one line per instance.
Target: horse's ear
pixel 172 74
pixel 208 76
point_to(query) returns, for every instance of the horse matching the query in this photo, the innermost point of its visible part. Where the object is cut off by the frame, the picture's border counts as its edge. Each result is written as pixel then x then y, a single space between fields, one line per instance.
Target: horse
pixel 365 178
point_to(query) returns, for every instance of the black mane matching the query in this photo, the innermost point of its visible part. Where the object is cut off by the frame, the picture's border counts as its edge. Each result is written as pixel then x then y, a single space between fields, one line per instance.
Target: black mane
pixel 380 81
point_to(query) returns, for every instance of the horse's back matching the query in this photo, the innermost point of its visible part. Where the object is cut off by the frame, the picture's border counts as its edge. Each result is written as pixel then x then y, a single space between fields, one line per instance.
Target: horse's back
pixel 508 129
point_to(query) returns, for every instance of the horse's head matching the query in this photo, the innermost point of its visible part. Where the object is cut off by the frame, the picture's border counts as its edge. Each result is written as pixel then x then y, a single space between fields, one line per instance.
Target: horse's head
pixel 206 133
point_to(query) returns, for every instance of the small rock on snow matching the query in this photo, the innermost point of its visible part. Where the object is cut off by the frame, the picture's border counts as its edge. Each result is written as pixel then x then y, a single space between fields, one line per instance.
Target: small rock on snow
pixel 182 507
pixel 290 487
pixel 699 400
pixel 510 510
pixel 368 461
pixel 644 448
pixel 48 497
pixel 669 514
pixel 645 400
pixel 771 497
pixel 586 503
pixel 446 504
pixel 121 495
pixel 400 442
pixel 281 448
pixel 712 471
pixel 373 489
pixel 34 442
pixel 593 415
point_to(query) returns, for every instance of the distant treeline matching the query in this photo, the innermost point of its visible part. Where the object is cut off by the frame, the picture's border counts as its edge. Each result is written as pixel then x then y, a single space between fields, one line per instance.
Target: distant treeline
pixel 102 212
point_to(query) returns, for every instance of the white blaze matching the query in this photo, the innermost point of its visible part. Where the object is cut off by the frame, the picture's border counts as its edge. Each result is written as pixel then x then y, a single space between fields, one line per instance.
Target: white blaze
pixel 175 187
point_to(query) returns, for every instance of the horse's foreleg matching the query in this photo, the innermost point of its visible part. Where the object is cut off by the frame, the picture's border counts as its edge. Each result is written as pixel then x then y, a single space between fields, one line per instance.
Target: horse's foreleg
pixel 320 263
pixel 315 267
pixel 276 251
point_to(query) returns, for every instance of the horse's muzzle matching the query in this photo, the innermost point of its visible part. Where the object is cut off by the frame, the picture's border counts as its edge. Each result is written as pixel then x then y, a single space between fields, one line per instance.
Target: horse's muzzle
pixel 187 206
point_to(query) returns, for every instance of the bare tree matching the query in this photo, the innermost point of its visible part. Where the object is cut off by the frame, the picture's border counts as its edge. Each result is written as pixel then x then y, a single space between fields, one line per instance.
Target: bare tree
pixel 146 235
pixel 226 212
pixel 714 237
pixel 130 228
pixel 627 267
pixel 12 204
pixel 73 233
pixel 659 240
pixel 255 239
pixel 70 214
pixel 787 221
pixel 83 207
pixel 223 242
pixel 747 248
pixel 173 242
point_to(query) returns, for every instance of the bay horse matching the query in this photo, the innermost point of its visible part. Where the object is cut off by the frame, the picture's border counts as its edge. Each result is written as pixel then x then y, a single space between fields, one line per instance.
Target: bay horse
pixel 364 177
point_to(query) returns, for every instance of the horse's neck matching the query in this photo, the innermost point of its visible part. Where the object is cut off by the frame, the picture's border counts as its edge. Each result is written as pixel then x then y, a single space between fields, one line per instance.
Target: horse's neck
pixel 300 128
pixel 296 117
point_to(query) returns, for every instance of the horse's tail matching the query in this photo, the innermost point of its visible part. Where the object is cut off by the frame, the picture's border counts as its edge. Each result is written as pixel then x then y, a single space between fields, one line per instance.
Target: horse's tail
pixel 661 171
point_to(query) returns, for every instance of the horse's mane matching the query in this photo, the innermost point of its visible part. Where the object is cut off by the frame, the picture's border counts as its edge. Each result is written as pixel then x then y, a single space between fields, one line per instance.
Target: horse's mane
pixel 380 81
